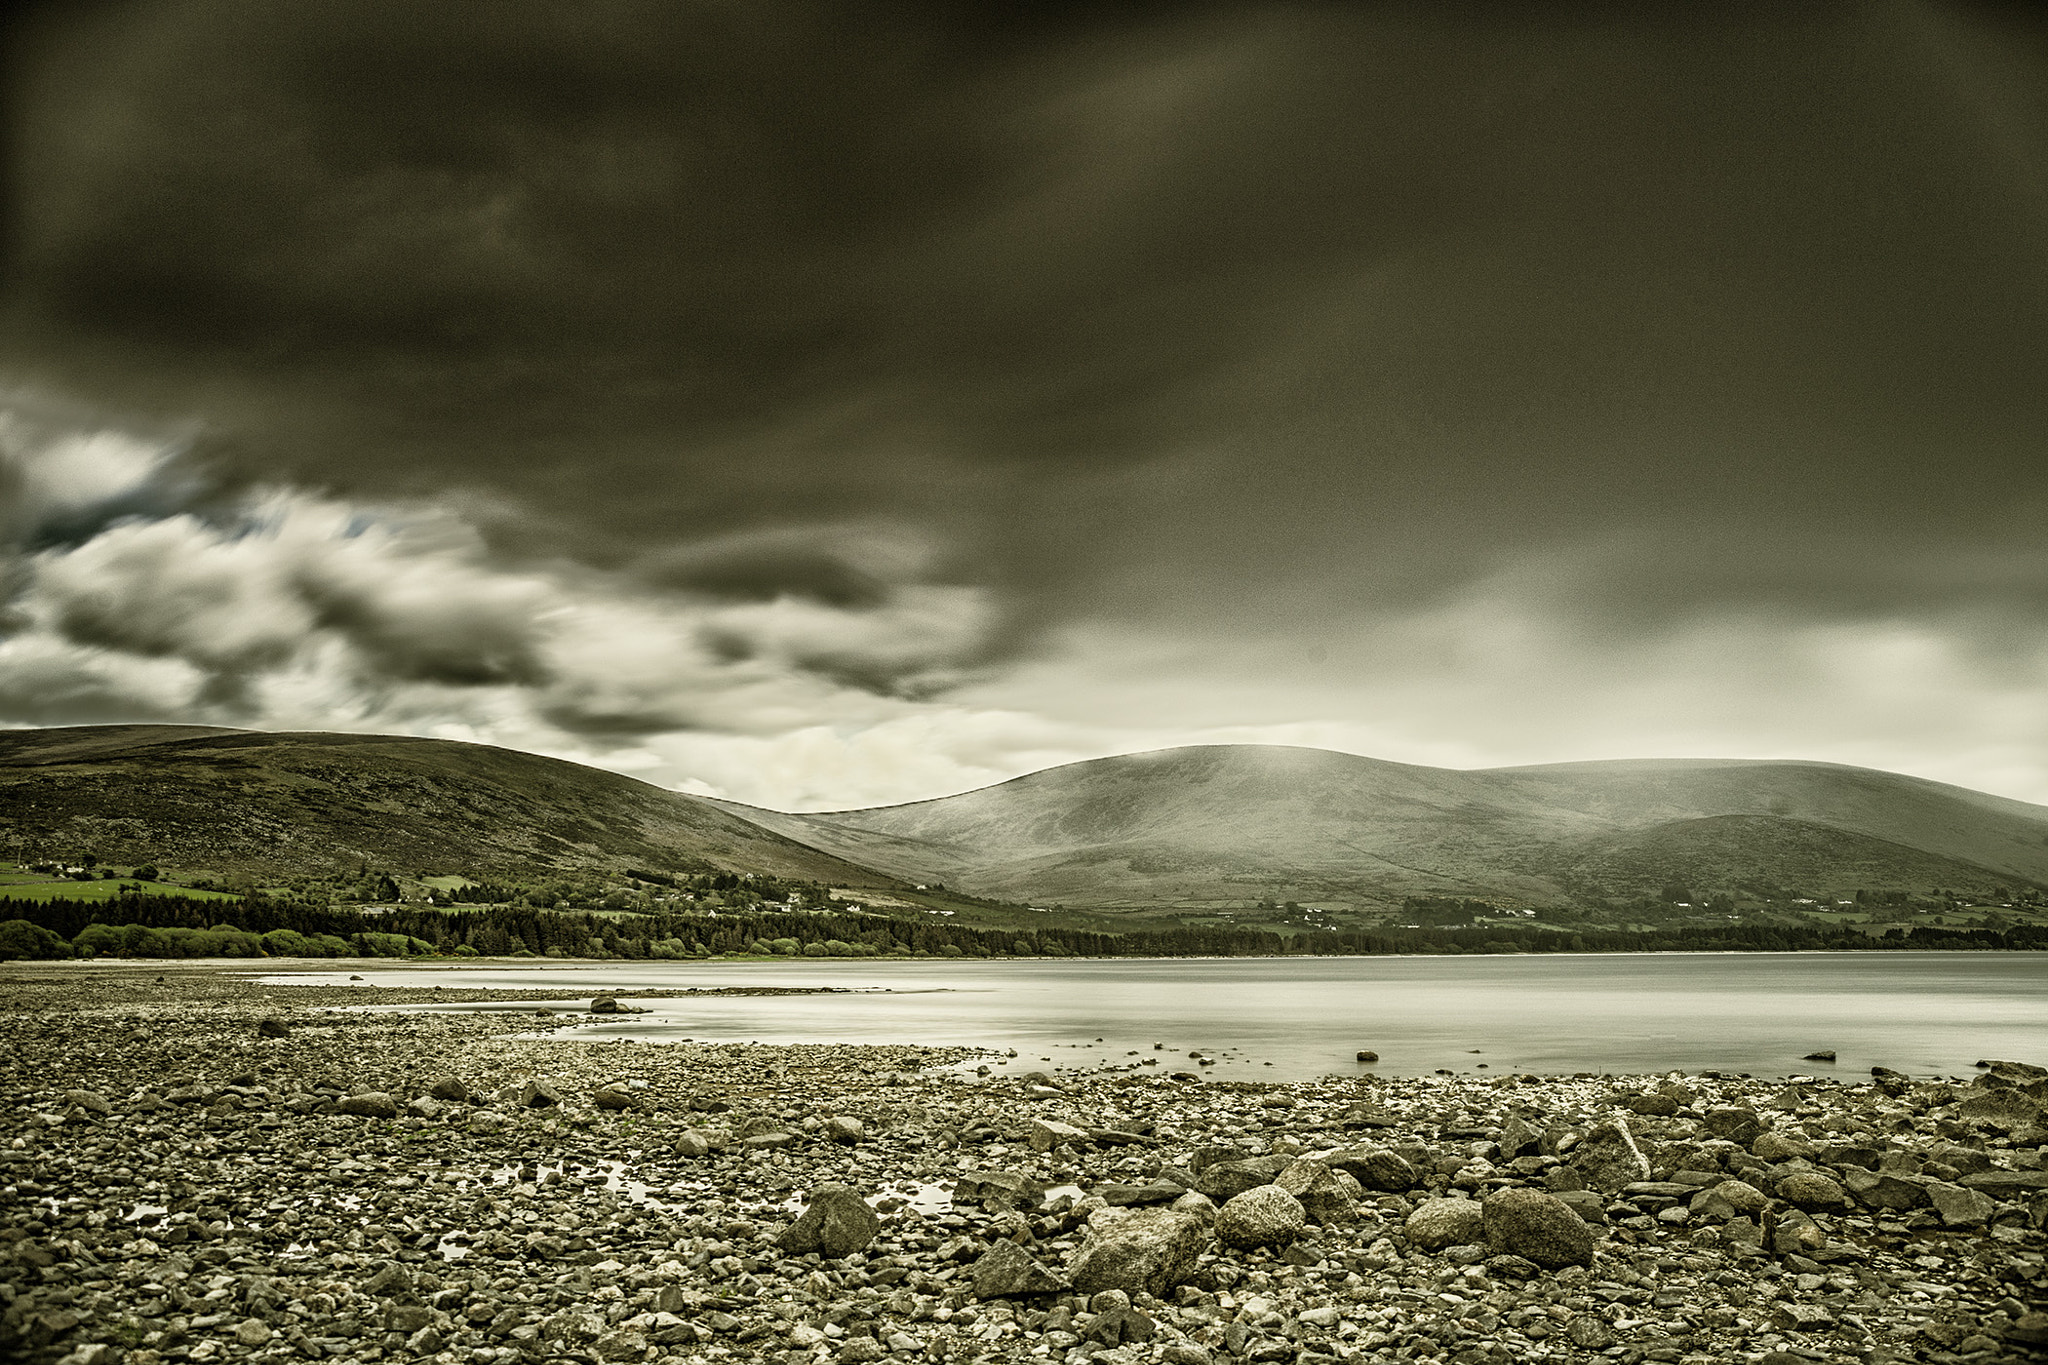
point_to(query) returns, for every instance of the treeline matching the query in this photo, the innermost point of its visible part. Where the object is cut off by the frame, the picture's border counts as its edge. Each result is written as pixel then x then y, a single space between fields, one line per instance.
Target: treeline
pixel 140 925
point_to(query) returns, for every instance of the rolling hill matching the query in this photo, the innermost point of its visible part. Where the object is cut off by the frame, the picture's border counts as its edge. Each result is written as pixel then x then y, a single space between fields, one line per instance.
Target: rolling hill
pixel 1229 823
pixel 1186 829
pixel 235 801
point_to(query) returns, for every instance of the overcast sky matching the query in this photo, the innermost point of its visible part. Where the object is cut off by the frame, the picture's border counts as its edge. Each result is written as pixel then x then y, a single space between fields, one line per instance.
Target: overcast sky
pixel 828 405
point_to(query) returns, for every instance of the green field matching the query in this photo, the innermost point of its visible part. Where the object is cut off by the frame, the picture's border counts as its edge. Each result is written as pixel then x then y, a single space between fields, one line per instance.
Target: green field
pixel 21 883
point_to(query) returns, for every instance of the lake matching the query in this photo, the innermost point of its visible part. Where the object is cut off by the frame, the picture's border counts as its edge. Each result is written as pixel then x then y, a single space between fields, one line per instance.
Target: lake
pixel 1287 1018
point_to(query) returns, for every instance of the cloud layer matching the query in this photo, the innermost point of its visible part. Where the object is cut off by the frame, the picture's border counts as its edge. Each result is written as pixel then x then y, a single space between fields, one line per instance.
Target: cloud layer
pixel 830 403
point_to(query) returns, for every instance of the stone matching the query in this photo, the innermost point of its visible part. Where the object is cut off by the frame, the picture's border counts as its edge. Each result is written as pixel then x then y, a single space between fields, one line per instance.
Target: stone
pixel 614 1100
pixel 1007 1269
pixel 1729 1199
pixel 1519 1137
pixel 1264 1216
pixel 1138 1249
pixel 1826 1054
pixel 843 1128
pixel 1589 1333
pixel 1776 1147
pixel 449 1089
pixel 1439 1223
pixel 1121 1326
pixel 836 1222
pixel 998 1187
pixel 1733 1124
pixel 1588 1204
pixel 1537 1226
pixel 1802 1317
pixel 1960 1207
pixel 1650 1106
pixel 1608 1158
pixel 252 1332
pixel 1375 1168
pixel 606 1004
pixel 539 1095
pixel 1884 1190
pixel 1226 1179
pixel 1811 1190
pixel 273 1028
pixel 1367 1055
pixel 371 1104
pixel 1046 1134
pixel 1321 1191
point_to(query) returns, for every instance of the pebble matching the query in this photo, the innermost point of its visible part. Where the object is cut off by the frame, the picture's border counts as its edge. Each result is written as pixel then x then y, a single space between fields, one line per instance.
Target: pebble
pixel 183 1190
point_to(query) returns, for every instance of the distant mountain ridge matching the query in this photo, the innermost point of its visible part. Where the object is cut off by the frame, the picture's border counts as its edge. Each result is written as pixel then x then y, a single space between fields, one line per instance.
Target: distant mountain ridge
pixel 1206 824
pixel 1188 828
pixel 316 803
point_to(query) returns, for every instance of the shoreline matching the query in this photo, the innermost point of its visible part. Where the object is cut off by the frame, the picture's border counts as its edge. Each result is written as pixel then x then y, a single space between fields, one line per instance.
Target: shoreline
pixel 188 1190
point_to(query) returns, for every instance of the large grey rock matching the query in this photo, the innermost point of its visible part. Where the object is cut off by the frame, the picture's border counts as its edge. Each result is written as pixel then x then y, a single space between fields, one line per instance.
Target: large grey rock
pixel 1607 1156
pixel 539 1095
pixel 1885 1190
pixel 1265 1216
pixel 614 1099
pixel 1322 1191
pixel 1440 1223
pixel 1046 1134
pixel 835 1223
pixel 1734 1123
pixel 450 1089
pixel 1960 1207
pixel 1007 1269
pixel 1812 1190
pixel 1375 1168
pixel 1227 1179
pixel 1138 1249
pixel 1537 1226
pixel 371 1104
pixel 998 1187
pixel 1729 1199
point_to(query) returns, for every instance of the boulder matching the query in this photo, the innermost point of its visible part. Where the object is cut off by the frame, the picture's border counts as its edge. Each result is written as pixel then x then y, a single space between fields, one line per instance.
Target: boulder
pixel 449 1089
pixel 1046 1134
pixel 1960 1207
pixel 1322 1191
pixel 1227 1179
pixel 1537 1226
pixel 1138 1249
pixel 1375 1168
pixel 1007 1269
pixel 1884 1190
pixel 606 1004
pixel 690 1142
pixel 273 1028
pixel 1729 1199
pixel 1811 1190
pixel 1607 1156
pixel 998 1187
pixel 371 1104
pixel 1440 1223
pixel 614 1100
pixel 835 1223
pixel 1265 1216
pixel 539 1095
pixel 1519 1137
pixel 1734 1124
pixel 1776 1147
pixel 844 1128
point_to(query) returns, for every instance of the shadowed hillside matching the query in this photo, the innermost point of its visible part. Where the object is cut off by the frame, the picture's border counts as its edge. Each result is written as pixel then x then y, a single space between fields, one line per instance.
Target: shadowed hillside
pixel 240 801
pixel 1236 822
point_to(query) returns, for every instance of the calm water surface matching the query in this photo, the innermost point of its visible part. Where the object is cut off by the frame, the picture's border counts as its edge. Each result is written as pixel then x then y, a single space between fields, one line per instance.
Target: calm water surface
pixel 1273 1018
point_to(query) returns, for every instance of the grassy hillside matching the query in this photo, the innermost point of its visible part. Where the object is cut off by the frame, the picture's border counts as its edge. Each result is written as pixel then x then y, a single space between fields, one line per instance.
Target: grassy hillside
pixel 266 805
pixel 1196 827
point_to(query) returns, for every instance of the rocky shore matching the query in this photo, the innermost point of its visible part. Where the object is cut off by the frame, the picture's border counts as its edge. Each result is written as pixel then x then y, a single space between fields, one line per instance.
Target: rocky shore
pixel 198 1168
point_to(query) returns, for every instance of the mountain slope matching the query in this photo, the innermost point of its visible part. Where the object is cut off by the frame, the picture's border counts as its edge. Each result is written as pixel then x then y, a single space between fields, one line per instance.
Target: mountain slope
pixel 1231 823
pixel 241 801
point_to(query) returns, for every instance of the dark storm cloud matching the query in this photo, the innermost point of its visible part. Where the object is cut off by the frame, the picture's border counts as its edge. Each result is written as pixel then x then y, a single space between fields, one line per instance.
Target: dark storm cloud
pixel 1235 317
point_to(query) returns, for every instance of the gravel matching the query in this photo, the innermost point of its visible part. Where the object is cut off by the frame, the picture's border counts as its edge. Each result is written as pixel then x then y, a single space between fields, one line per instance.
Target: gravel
pixel 180 1184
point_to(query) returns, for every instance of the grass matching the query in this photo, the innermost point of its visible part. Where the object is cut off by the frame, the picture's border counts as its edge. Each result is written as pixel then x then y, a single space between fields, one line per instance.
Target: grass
pixel 22 884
